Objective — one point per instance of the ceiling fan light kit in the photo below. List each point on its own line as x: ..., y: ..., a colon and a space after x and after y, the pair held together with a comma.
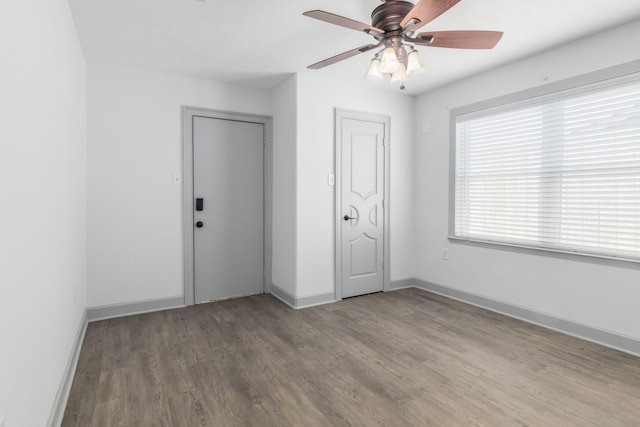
x: 400, y: 76
x: 393, y: 25
x: 390, y: 63
x: 373, y: 73
x: 414, y: 66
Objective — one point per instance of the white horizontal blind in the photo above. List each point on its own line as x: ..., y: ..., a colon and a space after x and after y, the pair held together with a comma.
x: 560, y: 171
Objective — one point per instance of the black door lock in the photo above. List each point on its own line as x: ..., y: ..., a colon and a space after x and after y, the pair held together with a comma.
x: 199, y: 224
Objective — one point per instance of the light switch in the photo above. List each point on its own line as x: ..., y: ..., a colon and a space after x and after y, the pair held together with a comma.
x: 331, y: 180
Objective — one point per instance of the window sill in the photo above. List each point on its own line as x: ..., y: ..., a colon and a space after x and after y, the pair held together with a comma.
x: 555, y: 253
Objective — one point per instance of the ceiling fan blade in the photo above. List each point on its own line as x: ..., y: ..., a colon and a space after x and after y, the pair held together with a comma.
x: 426, y: 11
x: 342, y: 56
x: 459, y: 39
x: 332, y: 18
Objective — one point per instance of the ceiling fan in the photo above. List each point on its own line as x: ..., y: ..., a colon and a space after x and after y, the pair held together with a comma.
x: 393, y: 25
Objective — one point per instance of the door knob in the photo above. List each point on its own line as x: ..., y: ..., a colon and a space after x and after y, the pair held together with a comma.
x: 347, y: 217
x: 199, y: 224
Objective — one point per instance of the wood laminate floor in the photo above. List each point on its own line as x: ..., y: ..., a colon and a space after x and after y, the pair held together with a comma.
x: 403, y: 358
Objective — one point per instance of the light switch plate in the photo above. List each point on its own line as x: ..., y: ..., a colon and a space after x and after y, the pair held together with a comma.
x: 331, y: 180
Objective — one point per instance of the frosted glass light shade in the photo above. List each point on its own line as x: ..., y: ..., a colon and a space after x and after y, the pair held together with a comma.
x: 400, y: 75
x: 374, y: 73
x: 413, y: 63
x: 389, y: 63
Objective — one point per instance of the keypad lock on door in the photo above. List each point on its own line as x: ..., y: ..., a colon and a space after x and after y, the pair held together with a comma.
x: 199, y: 207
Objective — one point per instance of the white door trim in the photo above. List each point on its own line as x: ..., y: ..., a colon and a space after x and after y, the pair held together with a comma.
x: 188, y: 113
x: 385, y: 120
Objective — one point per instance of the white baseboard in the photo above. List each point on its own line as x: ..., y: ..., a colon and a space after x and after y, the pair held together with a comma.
x: 62, y: 395
x: 131, y: 308
x: 301, y: 302
x: 568, y: 327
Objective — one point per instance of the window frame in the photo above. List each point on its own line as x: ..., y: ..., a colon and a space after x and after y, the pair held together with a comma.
x: 524, y: 95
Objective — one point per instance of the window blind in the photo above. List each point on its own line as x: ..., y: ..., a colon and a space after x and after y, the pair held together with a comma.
x: 560, y: 171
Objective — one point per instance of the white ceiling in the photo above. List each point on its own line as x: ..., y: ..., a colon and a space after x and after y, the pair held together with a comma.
x: 259, y: 42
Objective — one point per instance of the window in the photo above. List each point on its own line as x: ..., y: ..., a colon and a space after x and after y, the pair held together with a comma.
x: 559, y: 171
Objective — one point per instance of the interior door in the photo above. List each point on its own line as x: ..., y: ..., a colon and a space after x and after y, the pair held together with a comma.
x: 228, y: 184
x: 362, y: 193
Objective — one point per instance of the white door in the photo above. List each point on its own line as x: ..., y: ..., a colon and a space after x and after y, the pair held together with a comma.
x: 362, y: 217
x: 228, y: 188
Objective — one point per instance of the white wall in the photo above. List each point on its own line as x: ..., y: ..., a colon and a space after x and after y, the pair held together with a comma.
x: 600, y: 296
x: 318, y: 98
x: 134, y: 237
x: 134, y: 222
x: 42, y: 211
x: 285, y: 117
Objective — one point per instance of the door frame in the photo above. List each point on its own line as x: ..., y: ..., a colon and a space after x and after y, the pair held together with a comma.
x: 341, y: 114
x: 188, y: 114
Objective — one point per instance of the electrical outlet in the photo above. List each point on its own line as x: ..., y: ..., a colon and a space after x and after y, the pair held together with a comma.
x: 445, y: 254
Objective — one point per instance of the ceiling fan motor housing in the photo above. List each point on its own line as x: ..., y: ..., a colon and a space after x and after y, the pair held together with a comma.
x: 389, y: 14
x: 393, y: 25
